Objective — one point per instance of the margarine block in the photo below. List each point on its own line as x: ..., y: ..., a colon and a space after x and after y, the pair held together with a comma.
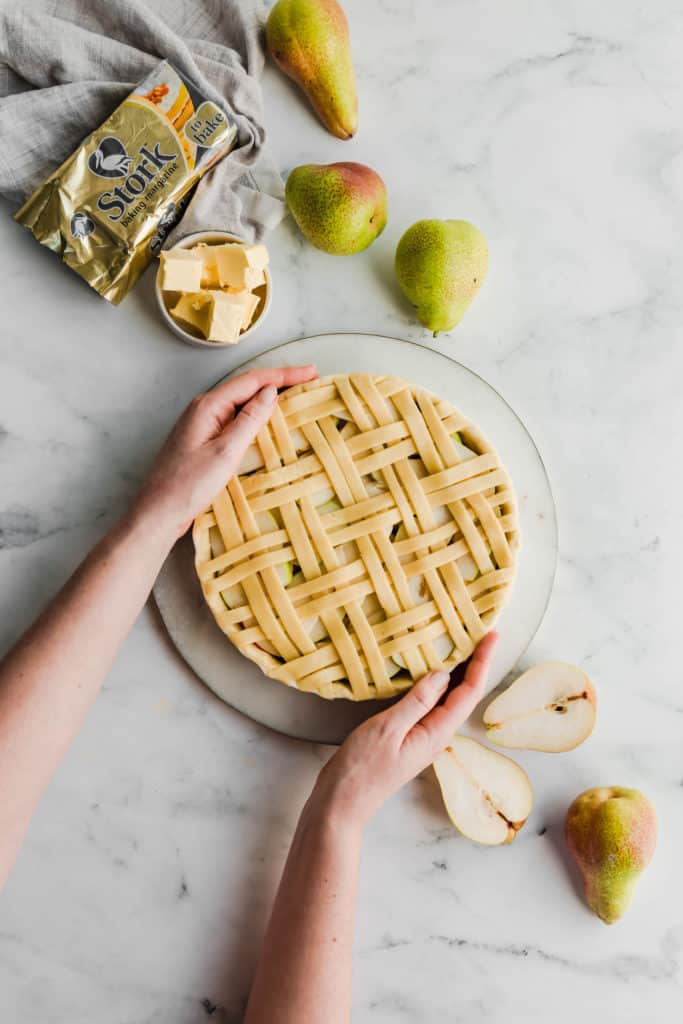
x: 225, y: 320
x: 232, y: 265
x: 194, y: 310
x: 210, y: 274
x: 244, y: 299
x: 181, y: 270
x: 254, y: 278
x: 257, y: 256
x: 250, y: 303
x: 235, y: 267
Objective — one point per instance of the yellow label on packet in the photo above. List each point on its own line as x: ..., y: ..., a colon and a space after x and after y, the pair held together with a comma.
x: 108, y: 208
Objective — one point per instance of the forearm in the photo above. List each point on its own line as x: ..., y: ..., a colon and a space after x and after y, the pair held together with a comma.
x: 304, y: 973
x: 48, y: 682
x: 50, y: 679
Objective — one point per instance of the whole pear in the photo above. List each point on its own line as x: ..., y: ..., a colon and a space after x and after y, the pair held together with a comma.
x: 440, y: 266
x: 340, y: 208
x: 612, y: 833
x: 309, y: 40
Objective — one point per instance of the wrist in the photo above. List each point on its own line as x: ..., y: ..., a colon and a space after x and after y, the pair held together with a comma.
x: 156, y: 517
x: 328, y: 823
x: 334, y: 804
x: 143, y: 522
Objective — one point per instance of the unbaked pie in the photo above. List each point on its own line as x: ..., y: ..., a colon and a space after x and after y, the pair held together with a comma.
x: 370, y: 536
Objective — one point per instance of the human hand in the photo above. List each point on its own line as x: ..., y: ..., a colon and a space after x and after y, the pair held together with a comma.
x: 391, y: 748
x: 206, y: 446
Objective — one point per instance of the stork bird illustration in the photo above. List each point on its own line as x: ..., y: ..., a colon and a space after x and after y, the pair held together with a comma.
x: 81, y: 225
x: 118, y: 162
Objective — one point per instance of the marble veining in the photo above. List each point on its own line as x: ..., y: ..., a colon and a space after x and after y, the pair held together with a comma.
x: 146, y: 879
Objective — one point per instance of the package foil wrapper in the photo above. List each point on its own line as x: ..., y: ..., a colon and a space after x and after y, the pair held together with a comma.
x: 108, y: 208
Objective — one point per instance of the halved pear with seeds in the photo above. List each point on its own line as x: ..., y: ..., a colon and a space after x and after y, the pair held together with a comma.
x: 487, y: 796
x: 552, y: 707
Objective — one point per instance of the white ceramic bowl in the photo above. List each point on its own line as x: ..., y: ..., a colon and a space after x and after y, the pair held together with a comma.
x: 168, y: 299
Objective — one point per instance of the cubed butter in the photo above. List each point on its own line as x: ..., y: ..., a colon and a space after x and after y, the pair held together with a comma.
x: 257, y: 256
x: 210, y: 270
x: 250, y: 303
x: 232, y: 264
x: 225, y: 319
x: 241, y: 266
x: 254, y: 278
x: 181, y: 271
x: 244, y: 299
x: 216, y: 282
x: 192, y: 310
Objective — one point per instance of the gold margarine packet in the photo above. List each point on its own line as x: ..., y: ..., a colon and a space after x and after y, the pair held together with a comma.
x: 108, y: 208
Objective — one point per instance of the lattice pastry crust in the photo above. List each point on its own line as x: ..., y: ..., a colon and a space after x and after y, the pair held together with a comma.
x: 370, y: 535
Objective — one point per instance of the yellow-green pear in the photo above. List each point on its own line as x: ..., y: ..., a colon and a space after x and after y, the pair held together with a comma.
x: 612, y: 834
x: 340, y: 208
x: 440, y: 266
x: 309, y: 40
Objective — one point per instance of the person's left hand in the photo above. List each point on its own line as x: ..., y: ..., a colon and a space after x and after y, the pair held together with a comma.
x: 207, y: 443
x: 391, y: 748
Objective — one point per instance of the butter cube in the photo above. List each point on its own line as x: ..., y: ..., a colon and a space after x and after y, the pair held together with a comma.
x: 225, y: 320
x: 250, y: 303
x: 192, y: 310
x: 244, y: 299
x: 232, y: 264
x: 241, y: 266
x: 181, y: 270
x: 210, y: 271
x: 257, y: 256
x: 254, y: 278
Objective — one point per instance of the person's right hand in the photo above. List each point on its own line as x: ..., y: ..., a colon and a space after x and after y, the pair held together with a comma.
x: 391, y: 748
x: 207, y: 443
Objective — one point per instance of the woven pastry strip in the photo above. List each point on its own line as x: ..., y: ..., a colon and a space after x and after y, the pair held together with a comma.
x: 370, y: 536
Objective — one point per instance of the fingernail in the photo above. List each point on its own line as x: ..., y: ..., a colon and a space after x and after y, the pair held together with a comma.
x: 438, y: 680
x: 268, y: 395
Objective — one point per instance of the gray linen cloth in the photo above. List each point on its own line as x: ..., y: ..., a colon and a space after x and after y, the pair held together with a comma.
x: 66, y: 64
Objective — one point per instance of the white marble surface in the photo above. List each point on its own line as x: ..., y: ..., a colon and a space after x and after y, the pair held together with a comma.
x: 141, y: 892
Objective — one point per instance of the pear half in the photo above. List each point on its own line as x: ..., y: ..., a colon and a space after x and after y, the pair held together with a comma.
x: 552, y: 707
x: 488, y: 797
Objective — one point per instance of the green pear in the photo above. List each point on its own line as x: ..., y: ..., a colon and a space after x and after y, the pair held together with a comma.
x: 309, y: 40
x: 612, y: 833
x: 340, y: 208
x: 440, y: 266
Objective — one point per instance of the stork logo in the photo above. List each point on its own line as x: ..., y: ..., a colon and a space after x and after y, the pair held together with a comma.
x: 142, y: 183
x: 110, y: 159
x: 81, y: 225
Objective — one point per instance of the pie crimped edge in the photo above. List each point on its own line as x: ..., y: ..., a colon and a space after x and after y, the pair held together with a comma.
x: 360, y: 594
